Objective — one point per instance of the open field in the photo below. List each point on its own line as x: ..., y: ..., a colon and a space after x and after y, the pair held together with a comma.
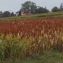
x: 21, y: 38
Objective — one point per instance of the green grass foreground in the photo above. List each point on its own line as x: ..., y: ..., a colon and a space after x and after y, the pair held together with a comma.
x: 46, y: 57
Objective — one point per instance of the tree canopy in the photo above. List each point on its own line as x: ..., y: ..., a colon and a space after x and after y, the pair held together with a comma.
x: 29, y: 6
x: 55, y: 9
x: 61, y: 7
x: 6, y: 14
x: 32, y: 8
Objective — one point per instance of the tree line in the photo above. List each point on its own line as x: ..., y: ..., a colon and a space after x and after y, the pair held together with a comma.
x: 32, y: 8
x: 6, y: 14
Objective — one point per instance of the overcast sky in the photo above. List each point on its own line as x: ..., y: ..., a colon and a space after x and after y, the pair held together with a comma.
x: 15, y: 5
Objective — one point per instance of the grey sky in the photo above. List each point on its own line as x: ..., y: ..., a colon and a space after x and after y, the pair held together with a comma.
x: 15, y: 5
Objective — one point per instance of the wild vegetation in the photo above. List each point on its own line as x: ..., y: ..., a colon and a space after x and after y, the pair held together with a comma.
x: 46, y: 57
x: 36, y: 37
x: 20, y: 38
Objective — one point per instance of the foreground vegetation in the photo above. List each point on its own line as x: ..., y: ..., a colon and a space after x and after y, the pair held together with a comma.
x: 29, y: 38
x: 13, y: 47
x: 46, y: 57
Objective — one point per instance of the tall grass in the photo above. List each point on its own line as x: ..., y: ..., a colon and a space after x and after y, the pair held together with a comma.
x: 14, y: 47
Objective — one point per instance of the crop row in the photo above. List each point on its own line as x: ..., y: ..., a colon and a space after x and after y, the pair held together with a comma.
x: 28, y: 27
x: 22, y: 38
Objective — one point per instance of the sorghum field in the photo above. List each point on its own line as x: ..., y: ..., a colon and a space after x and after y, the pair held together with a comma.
x: 21, y: 38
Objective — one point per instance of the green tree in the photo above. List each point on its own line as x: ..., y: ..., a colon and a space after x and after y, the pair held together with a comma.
x: 12, y: 14
x: 55, y: 9
x: 61, y: 7
x: 29, y: 6
x: 45, y: 10
x: 41, y: 10
x: 6, y: 14
x: 0, y: 14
